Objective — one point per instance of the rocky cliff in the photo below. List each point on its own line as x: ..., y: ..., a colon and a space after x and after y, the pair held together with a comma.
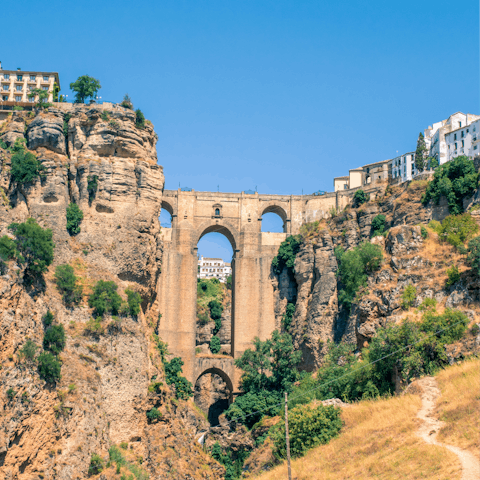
x: 98, y: 158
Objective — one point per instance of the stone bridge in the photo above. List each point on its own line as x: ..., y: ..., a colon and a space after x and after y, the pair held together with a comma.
x: 238, y: 216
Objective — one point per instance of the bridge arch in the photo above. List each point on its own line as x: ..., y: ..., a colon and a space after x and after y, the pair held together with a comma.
x: 168, y: 207
x: 227, y: 230
x: 277, y: 210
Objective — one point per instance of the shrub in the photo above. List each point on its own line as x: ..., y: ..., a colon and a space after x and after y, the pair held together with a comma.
x: 66, y: 119
x: 104, y: 116
x: 34, y: 244
x: 11, y: 393
x: 409, y: 295
x: 453, y: 275
x: 378, y: 225
x: 360, y: 198
x: 105, y: 298
x: 47, y: 318
x: 473, y: 251
x: 428, y: 304
x: 127, y: 102
x: 457, y: 229
x: 423, y: 232
x: 74, y: 218
x: 286, y: 255
x: 435, y: 225
x: 215, y: 344
x: 49, y: 367
x: 173, y: 369
x: 54, y: 339
x: 67, y: 284
x: 309, y: 426
x: 134, y: 301
x: 455, y: 180
x: 28, y: 351
x: 216, y: 309
x: 354, y: 267
x: 288, y: 316
x: 92, y: 186
x: 154, y: 414
x: 94, y: 326
x: 96, y: 464
x: 7, y: 248
x: 139, y: 119
x: 25, y: 167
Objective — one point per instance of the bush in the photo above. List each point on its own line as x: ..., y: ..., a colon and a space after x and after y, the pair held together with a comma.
x: 127, y: 102
x: 47, y: 318
x: 423, y: 232
x: 34, y: 245
x: 173, y: 369
x: 286, y: 255
x: 453, y: 275
x: 473, y: 251
x: 67, y: 284
x: 216, y: 310
x: 378, y: 225
x: 54, y: 339
x: 11, y: 393
x: 457, y: 229
x: 49, y: 367
x: 154, y: 414
x: 94, y: 326
x: 28, y: 351
x: 96, y: 464
x: 360, y: 198
x: 428, y: 304
x: 105, y: 298
x: 215, y: 345
x: 25, y: 166
x: 134, y: 301
x: 288, y: 316
x: 309, y: 426
x: 409, y: 295
x: 92, y: 186
x: 74, y: 218
x: 139, y: 119
x: 435, y: 225
x: 455, y: 180
x: 7, y: 248
x: 354, y: 267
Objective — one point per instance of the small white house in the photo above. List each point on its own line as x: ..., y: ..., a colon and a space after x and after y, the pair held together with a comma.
x: 463, y: 141
x: 403, y: 166
x: 214, y: 268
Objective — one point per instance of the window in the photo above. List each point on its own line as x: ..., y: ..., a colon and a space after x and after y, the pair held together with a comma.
x: 463, y: 133
x: 5, y: 88
x: 463, y: 143
x: 18, y: 88
x: 19, y: 78
x: 475, y: 147
x: 33, y: 78
x: 6, y: 76
x: 449, y: 146
x: 455, y: 145
x: 45, y: 89
x: 31, y: 99
x: 345, y: 186
x: 474, y: 129
x: 217, y: 211
x: 18, y: 98
x: 460, y: 124
x: 5, y: 98
x: 46, y: 78
x: 454, y: 136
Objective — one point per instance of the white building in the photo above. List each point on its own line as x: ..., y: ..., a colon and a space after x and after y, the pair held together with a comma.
x: 463, y: 141
x: 404, y: 166
x: 214, y: 268
x: 435, y: 135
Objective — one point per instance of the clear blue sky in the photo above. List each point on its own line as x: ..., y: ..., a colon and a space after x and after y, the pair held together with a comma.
x: 279, y: 95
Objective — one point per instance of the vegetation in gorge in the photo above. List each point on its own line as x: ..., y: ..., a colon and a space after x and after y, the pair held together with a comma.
x: 104, y: 298
x: 74, y: 218
x: 67, y: 284
x: 25, y: 166
x: 286, y: 255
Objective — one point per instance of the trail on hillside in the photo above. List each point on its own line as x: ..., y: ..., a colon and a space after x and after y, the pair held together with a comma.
x: 431, y: 426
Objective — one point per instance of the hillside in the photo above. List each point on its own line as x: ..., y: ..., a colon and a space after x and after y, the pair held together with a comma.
x: 381, y: 438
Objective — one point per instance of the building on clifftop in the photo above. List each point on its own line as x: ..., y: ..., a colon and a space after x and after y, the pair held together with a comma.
x: 214, y: 268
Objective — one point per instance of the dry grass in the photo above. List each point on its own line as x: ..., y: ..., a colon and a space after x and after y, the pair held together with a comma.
x: 378, y: 441
x: 459, y: 406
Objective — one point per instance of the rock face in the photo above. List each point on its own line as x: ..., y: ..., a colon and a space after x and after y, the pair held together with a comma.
x: 97, y: 158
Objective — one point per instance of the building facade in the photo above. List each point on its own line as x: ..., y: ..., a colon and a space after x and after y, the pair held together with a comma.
x: 214, y: 268
x: 403, y: 167
x: 16, y: 85
x: 463, y: 141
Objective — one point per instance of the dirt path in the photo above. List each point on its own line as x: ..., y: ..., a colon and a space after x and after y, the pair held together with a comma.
x: 432, y: 425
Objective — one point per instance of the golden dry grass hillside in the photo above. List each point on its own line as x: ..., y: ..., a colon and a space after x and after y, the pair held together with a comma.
x: 380, y: 441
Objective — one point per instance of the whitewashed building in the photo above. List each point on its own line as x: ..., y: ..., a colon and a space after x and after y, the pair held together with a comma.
x: 403, y: 166
x: 463, y: 141
x: 435, y: 135
x: 214, y: 268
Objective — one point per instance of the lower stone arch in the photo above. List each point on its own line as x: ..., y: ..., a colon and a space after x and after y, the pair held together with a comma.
x: 219, y: 405
x: 229, y: 232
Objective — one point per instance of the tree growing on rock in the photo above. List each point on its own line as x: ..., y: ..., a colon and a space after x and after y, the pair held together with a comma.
x: 85, y: 87
x: 420, y: 153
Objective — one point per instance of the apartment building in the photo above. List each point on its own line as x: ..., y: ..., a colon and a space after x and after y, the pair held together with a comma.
x: 369, y: 174
x: 403, y: 167
x: 463, y: 141
x: 435, y: 135
x: 16, y: 85
x: 214, y: 268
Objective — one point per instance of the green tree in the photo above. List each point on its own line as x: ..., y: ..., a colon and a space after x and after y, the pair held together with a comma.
x: 457, y: 229
x: 432, y: 163
x: 288, y: 316
x: 173, y: 370
x: 154, y: 414
x: 286, y: 255
x: 85, y: 87
x: 47, y: 319
x: 54, y: 339
x: 74, y: 218
x: 134, y: 302
x: 139, y: 119
x: 25, y: 167
x: 215, y: 344
x: 92, y: 186
x: 473, y: 251
x: 409, y: 295
x: 420, y: 153
x: 49, y: 367
x: 34, y: 244
x: 453, y: 275
x: 42, y: 95
x: 105, y: 298
x: 67, y: 284
x: 359, y: 198
x: 456, y: 180
x: 127, y: 102
x: 378, y: 225
x: 96, y: 464
x: 8, y: 248
x: 354, y: 267
x: 28, y: 351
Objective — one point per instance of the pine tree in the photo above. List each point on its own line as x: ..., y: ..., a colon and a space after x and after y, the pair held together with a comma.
x: 420, y: 153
